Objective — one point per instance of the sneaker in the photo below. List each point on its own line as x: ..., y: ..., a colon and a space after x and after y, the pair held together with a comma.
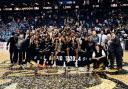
x: 38, y: 61
x: 68, y: 59
x: 11, y: 65
x: 106, y: 68
x: 76, y: 63
x: 64, y: 65
x: 54, y: 65
x: 22, y: 67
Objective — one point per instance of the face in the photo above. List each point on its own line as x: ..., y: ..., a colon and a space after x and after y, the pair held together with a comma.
x: 113, y: 35
x: 93, y: 33
x: 72, y: 34
x: 108, y: 36
x: 21, y: 36
x: 85, y: 38
x: 97, y: 47
x: 90, y: 38
x: 59, y: 35
x: 89, y: 31
x: 36, y: 41
x: 102, y: 32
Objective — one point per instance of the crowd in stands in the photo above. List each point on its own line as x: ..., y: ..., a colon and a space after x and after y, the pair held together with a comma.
x: 83, y: 19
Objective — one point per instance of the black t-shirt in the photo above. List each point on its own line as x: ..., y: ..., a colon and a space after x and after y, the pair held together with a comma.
x: 98, y: 54
x: 12, y: 42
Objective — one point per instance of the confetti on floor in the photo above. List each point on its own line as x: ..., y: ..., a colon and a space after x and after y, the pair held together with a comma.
x: 73, y: 78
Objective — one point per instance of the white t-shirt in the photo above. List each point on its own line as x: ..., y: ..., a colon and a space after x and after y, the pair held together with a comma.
x: 102, y: 40
x: 94, y: 55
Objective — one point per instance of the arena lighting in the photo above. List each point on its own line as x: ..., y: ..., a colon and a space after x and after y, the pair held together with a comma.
x: 77, y: 7
x: 70, y: 2
x: 36, y: 3
x: 36, y: 8
x: 95, y: 6
x: 26, y: 8
x: 124, y: 5
x: 16, y: 9
x: 67, y: 7
x: 113, y: 5
x: 24, y: 4
x: 12, y: 4
x: 7, y: 9
x: 67, y: 2
x: 48, y: 8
